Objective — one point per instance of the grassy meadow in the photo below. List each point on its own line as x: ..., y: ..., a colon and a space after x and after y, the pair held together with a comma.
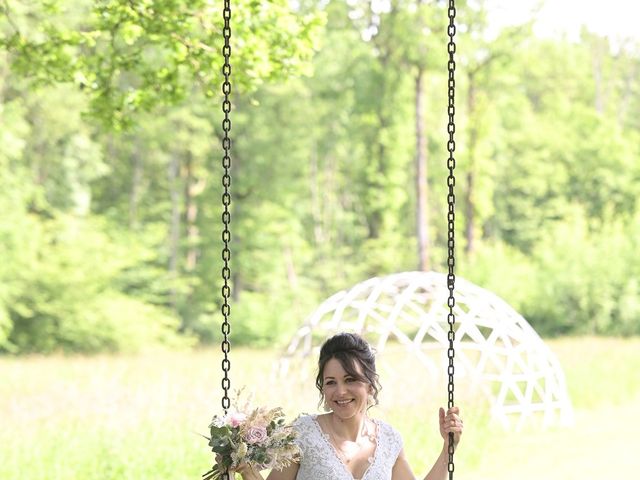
x: 140, y: 417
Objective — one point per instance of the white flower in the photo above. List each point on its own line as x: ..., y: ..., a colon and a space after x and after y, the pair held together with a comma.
x: 239, y: 454
x: 217, y: 421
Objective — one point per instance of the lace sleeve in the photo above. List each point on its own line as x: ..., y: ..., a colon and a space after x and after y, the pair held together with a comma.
x: 301, y: 426
x: 393, y: 444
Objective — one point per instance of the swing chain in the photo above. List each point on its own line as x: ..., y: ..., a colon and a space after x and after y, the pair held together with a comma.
x: 226, y: 202
x: 451, y: 200
x: 226, y: 214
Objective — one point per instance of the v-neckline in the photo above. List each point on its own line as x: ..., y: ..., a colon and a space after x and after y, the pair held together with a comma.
x: 328, y: 444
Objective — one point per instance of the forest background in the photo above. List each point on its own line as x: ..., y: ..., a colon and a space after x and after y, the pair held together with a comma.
x: 111, y: 180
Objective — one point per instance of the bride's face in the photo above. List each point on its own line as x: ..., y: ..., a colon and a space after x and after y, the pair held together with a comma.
x: 344, y: 394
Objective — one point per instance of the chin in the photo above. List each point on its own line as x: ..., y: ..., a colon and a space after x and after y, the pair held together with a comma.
x: 348, y: 413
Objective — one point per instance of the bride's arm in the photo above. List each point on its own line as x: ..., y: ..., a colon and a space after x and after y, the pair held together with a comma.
x: 287, y: 473
x: 440, y: 469
x: 402, y: 469
x: 449, y: 423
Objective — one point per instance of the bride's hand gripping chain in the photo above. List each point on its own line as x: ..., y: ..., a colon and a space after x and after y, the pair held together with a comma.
x: 451, y: 422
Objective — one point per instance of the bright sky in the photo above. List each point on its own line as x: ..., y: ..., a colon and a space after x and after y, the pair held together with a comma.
x: 616, y: 19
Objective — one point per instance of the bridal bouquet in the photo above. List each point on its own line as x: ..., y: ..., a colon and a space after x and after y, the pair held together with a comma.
x: 258, y: 436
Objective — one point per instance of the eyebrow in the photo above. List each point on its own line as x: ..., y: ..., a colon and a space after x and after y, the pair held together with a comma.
x: 344, y: 376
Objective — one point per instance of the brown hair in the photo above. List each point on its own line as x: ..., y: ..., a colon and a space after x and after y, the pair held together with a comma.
x: 350, y: 350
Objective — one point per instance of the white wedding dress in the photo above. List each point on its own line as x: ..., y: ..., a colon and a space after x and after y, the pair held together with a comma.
x: 320, y: 460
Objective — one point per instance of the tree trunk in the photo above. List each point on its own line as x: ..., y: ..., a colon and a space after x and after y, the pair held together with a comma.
x: 627, y: 92
x: 136, y: 180
x: 235, y: 208
x: 193, y: 188
x: 375, y: 180
x: 292, y: 276
x: 597, y: 76
x: 378, y: 152
x: 316, y: 201
x: 174, y: 227
x: 422, y: 191
x: 469, y: 194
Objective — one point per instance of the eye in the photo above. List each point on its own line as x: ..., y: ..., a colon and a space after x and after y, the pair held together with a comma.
x: 350, y: 379
x: 329, y: 382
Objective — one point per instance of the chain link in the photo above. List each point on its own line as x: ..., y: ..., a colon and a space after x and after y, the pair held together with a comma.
x: 451, y: 216
x: 226, y: 202
x: 226, y: 214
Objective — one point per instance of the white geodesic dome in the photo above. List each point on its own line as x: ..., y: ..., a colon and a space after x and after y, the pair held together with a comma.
x: 496, y: 350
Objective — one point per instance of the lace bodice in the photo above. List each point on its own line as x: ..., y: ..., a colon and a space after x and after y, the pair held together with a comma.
x: 320, y: 460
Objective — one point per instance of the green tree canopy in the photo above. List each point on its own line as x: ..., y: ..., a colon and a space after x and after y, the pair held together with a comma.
x: 132, y: 56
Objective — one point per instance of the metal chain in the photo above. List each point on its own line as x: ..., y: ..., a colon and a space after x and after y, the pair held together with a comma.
x: 226, y: 214
x: 226, y: 202
x: 451, y: 216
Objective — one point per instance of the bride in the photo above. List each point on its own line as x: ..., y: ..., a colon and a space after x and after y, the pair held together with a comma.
x: 345, y: 444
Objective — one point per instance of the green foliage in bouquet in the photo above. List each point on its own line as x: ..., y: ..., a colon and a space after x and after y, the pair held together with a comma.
x: 259, y: 437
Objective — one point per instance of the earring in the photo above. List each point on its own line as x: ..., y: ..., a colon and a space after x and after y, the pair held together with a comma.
x: 326, y: 406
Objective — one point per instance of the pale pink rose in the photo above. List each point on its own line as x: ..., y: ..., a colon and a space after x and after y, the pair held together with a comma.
x: 236, y: 419
x: 256, y: 435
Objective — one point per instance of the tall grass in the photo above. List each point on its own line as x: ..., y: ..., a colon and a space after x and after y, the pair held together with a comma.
x: 140, y: 417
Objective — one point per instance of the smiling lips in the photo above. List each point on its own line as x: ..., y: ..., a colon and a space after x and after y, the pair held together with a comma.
x: 343, y: 402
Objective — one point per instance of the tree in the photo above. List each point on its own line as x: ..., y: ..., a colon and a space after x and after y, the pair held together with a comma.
x: 125, y: 58
x: 135, y: 56
x: 484, y: 60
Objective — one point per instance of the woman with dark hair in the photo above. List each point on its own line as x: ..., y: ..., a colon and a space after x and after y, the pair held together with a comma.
x: 345, y: 443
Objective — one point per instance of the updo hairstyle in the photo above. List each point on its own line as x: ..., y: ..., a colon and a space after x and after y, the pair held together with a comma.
x: 350, y: 350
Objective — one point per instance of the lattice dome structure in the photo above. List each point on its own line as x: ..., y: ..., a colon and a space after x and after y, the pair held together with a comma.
x: 496, y: 350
